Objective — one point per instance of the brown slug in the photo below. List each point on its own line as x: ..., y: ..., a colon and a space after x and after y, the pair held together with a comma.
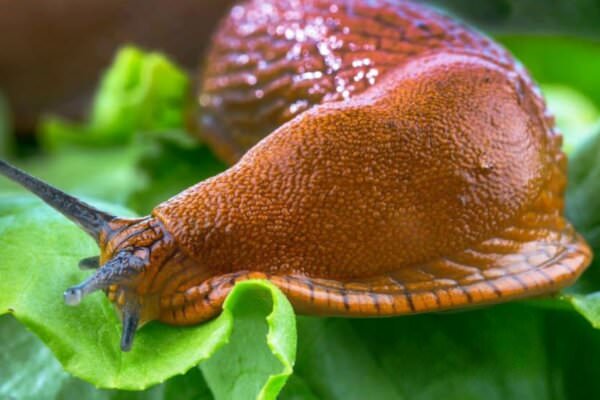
x: 412, y: 166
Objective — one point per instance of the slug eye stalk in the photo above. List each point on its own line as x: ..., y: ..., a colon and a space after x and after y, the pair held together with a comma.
x: 121, y: 270
x: 130, y: 319
x: 90, y: 219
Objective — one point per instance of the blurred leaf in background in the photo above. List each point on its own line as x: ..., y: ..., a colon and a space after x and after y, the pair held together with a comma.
x: 134, y: 150
x: 574, y: 113
x: 567, y: 61
x: 527, y: 17
x: 140, y: 92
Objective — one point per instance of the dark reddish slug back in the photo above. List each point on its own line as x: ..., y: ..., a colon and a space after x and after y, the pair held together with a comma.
x: 272, y: 60
x: 398, y: 163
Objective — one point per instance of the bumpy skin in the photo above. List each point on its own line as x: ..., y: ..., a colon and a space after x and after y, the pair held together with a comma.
x: 430, y: 161
x: 272, y: 60
x: 435, y: 183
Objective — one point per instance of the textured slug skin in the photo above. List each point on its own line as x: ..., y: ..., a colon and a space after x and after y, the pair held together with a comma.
x: 428, y: 162
x: 272, y: 60
x: 435, y: 183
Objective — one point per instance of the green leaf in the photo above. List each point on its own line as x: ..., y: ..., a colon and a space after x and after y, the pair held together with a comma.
x: 505, y: 352
x: 39, y: 251
x: 29, y: 371
x: 335, y: 362
x: 495, y: 353
x: 139, y: 92
x: 27, y: 368
x: 588, y: 306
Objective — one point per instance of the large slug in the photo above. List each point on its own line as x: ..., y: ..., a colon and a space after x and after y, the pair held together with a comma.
x: 391, y: 161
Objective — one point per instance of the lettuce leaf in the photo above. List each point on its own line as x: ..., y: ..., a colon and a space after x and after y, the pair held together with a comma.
x: 39, y: 251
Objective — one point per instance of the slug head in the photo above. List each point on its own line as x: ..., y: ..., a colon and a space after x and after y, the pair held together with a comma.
x: 133, y: 251
x: 130, y: 250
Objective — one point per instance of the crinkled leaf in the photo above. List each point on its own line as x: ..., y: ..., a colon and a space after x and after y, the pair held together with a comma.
x: 39, y: 251
x: 139, y: 92
x: 236, y: 373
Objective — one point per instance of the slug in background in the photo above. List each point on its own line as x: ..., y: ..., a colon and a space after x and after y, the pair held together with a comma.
x: 412, y: 167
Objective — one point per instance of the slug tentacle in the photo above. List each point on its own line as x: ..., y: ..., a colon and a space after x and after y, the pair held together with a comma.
x: 118, y: 270
x: 90, y: 219
x: 131, y: 319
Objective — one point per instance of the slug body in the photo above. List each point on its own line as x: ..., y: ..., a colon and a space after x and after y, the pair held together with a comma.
x: 435, y: 182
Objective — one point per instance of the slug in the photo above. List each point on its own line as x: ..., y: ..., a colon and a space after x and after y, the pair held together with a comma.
x: 391, y: 161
